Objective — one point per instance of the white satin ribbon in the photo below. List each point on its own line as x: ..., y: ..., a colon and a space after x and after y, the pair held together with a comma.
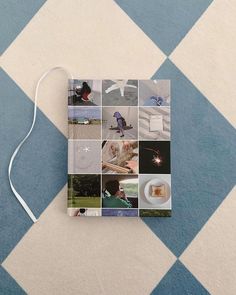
x: 17, y: 195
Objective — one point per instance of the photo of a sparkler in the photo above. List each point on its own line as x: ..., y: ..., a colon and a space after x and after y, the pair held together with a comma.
x: 154, y: 157
x: 157, y: 159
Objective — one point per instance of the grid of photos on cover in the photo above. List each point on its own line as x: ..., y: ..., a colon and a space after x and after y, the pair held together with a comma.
x: 119, y: 148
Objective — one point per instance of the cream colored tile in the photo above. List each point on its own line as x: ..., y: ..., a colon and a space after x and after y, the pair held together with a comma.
x: 207, y: 56
x: 93, y: 39
x: 211, y: 256
x: 89, y: 255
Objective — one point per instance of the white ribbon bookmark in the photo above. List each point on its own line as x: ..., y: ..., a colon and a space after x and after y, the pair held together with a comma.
x: 17, y: 195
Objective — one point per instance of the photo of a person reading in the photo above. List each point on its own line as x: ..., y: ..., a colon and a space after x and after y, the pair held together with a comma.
x: 114, y: 196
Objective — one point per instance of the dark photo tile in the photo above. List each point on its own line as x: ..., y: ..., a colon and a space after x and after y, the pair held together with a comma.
x: 84, y: 191
x: 154, y: 157
x: 154, y: 213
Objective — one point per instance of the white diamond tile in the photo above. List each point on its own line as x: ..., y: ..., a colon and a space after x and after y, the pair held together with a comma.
x: 93, y: 39
x: 104, y: 255
x: 207, y: 56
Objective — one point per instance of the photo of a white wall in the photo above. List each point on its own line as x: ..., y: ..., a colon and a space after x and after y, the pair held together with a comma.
x: 154, y: 92
x: 110, y: 129
x: 154, y: 123
x: 84, y: 156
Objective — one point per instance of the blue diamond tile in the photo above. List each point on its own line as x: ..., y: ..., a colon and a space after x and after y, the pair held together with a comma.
x: 179, y: 281
x: 8, y: 285
x: 14, y: 15
x: 165, y: 22
x: 40, y: 167
x: 203, y: 162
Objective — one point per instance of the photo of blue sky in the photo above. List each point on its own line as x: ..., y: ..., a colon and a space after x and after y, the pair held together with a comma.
x: 87, y: 112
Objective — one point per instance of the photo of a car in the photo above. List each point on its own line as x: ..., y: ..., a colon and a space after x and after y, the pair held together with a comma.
x: 82, y: 120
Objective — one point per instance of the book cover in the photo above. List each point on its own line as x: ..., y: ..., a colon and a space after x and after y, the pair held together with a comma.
x: 119, y: 148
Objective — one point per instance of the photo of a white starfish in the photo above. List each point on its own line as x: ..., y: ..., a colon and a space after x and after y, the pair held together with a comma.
x: 119, y: 84
x: 86, y: 149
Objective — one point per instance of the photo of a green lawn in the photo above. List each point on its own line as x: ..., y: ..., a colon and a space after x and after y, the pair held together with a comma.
x: 84, y: 190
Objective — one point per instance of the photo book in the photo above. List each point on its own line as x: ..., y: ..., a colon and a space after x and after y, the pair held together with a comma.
x: 119, y: 148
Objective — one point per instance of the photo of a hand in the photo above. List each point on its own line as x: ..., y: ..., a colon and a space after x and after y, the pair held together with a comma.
x: 121, y: 194
x: 133, y: 165
x: 126, y: 145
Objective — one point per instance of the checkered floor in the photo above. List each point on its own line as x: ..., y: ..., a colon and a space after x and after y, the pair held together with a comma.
x: 192, y: 43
